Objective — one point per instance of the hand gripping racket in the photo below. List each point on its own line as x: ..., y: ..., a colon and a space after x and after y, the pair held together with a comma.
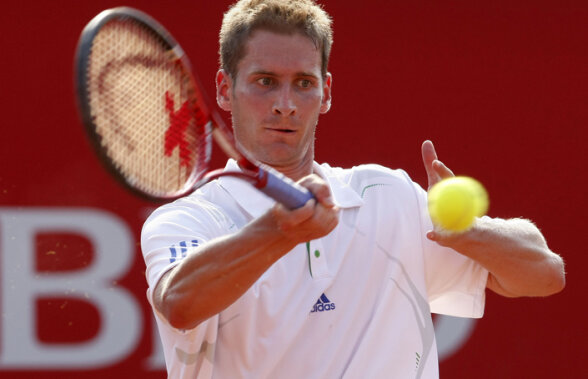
x: 147, y: 115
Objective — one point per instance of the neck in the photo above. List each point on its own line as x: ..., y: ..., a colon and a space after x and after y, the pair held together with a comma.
x: 298, y: 170
x: 294, y: 168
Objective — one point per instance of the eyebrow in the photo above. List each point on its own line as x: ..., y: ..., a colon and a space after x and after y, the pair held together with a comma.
x: 271, y: 73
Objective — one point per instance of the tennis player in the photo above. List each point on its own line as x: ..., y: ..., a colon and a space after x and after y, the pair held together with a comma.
x: 343, y: 287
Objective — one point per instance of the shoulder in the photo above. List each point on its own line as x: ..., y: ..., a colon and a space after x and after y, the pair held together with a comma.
x: 193, y: 212
x: 365, y: 176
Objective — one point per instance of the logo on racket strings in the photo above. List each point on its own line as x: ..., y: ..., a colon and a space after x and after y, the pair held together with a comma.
x: 175, y: 135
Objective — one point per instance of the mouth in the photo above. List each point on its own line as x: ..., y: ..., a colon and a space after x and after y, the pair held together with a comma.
x: 281, y: 130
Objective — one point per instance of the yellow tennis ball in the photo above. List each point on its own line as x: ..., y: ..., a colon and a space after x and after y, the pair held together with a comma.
x: 455, y: 202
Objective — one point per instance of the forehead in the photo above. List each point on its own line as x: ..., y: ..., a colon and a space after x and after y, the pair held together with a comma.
x: 276, y: 52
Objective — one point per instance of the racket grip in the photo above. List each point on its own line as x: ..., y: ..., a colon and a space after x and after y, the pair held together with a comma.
x: 282, y: 189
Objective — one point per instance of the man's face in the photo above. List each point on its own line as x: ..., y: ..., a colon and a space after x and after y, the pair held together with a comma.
x: 276, y: 98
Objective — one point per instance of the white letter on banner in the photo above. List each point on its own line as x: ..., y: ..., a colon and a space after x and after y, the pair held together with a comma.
x: 120, y: 315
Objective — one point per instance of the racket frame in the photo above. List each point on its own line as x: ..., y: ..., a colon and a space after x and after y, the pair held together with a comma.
x: 81, y: 64
x: 264, y: 178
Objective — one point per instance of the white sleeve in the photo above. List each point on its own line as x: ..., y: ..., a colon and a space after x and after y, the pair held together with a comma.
x: 456, y: 284
x: 189, y: 354
x: 170, y: 234
x: 174, y: 230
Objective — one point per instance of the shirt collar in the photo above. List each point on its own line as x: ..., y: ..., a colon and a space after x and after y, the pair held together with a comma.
x: 343, y: 195
x: 256, y: 203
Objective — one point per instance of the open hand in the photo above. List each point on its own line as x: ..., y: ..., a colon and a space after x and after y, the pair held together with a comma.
x: 436, y: 170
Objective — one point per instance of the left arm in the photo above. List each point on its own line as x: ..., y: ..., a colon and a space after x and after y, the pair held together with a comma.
x: 513, y: 251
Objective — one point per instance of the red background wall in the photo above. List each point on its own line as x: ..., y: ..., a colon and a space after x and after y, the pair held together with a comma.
x: 500, y: 87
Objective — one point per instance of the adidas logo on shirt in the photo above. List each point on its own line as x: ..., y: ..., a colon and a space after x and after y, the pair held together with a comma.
x: 323, y: 304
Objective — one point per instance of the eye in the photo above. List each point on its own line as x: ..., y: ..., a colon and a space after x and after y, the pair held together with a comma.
x: 265, y: 81
x: 305, y: 83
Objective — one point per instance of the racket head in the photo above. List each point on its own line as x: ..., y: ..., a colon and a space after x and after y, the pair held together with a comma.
x: 141, y: 106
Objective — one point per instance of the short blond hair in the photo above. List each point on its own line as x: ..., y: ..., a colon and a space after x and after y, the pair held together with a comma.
x: 280, y: 16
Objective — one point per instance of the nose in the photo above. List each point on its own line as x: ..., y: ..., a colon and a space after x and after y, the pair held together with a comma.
x: 284, y: 103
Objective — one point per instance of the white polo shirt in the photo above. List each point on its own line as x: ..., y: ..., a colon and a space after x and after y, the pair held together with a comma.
x: 354, y: 304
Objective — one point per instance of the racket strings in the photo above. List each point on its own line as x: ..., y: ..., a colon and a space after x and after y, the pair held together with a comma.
x: 144, y: 109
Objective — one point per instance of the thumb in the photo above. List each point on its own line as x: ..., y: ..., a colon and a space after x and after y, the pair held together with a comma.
x: 443, y: 238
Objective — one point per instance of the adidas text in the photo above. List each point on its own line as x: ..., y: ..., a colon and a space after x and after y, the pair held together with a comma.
x: 323, y: 304
x: 323, y: 307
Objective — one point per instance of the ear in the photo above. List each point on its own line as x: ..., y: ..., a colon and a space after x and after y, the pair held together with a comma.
x: 223, y: 90
x: 326, y: 103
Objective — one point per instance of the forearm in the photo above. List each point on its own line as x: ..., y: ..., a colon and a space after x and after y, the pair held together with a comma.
x: 219, y: 272
x: 516, y: 255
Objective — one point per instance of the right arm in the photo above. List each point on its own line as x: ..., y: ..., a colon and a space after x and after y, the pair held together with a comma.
x: 216, y: 274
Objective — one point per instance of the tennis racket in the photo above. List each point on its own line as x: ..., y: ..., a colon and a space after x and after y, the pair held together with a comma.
x: 148, y: 117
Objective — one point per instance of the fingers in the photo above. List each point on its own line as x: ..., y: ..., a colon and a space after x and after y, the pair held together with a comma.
x: 435, y: 169
x: 324, y: 220
x: 429, y: 154
x: 288, y: 219
x: 441, y: 237
x: 309, y: 222
x: 318, y: 217
x: 319, y: 189
x: 450, y: 239
x: 441, y: 170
